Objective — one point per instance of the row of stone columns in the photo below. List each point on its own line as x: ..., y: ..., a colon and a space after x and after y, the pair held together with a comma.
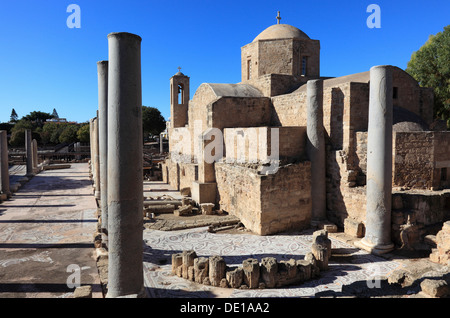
x: 118, y: 172
x: 379, y: 158
x: 31, y: 154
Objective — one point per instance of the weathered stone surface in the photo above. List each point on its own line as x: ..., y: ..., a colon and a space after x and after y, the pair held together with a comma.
x: 207, y: 208
x: 321, y: 238
x: 435, y: 287
x: 235, y: 277
x: 353, y: 228
x: 321, y: 255
x: 217, y: 268
x: 185, y: 191
x: 188, y: 260
x: 251, y: 272
x: 269, y: 270
x: 287, y: 273
x: 304, y: 268
x: 83, y: 292
x: 441, y: 254
x: 183, y: 210
x: 201, y: 266
x: 177, y: 260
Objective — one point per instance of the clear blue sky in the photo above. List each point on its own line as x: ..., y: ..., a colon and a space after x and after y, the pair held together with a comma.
x: 45, y: 65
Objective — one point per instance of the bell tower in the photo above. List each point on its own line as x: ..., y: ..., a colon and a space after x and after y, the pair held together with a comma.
x: 179, y: 99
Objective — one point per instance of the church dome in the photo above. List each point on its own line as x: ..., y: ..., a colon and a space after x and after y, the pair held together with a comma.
x: 281, y: 31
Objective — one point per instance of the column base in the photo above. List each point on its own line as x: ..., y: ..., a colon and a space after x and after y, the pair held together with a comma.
x: 377, y: 249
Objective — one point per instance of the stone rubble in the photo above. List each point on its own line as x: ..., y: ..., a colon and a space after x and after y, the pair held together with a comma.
x: 253, y: 274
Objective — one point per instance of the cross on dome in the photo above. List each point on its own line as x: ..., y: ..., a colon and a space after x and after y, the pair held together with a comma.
x: 278, y: 18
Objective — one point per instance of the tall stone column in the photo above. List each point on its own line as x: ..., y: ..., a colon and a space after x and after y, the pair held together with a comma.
x: 377, y: 239
x: 102, y: 72
x: 125, y: 170
x: 95, y: 157
x: 34, y: 148
x: 29, y: 152
x: 316, y: 149
x: 4, y: 169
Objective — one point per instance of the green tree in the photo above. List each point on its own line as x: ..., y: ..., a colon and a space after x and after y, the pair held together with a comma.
x: 38, y: 117
x: 430, y: 66
x: 152, y: 121
x: 18, y: 132
x: 14, y: 117
x: 55, y: 113
x: 83, y: 133
x: 69, y: 134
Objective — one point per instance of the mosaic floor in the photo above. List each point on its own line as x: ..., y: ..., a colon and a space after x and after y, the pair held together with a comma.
x: 353, y: 264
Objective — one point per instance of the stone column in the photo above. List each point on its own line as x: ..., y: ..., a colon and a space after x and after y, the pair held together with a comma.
x: 35, y: 154
x: 95, y: 158
x: 102, y: 71
x: 377, y: 239
x: 316, y: 149
x: 125, y: 170
x: 4, y: 168
x: 29, y: 152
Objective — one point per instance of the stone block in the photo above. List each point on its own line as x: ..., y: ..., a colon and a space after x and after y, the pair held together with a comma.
x: 188, y: 260
x: 235, y: 277
x: 321, y: 255
x: 354, y: 228
x: 217, y: 268
x: 201, y: 266
x: 185, y: 191
x: 207, y: 208
x: 251, y: 272
x: 203, y: 192
x: 269, y: 270
x: 183, y: 210
x: 435, y: 288
x: 83, y: 292
x: 177, y: 260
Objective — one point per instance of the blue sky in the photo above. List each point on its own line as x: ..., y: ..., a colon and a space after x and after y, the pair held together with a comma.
x: 45, y: 65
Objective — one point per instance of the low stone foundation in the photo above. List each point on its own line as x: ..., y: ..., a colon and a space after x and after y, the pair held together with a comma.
x: 269, y: 273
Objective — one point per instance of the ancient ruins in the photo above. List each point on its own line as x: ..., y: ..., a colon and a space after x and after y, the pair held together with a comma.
x: 285, y: 149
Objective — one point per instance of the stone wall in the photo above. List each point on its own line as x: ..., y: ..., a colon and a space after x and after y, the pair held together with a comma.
x: 254, y: 143
x: 266, y: 204
x: 422, y: 160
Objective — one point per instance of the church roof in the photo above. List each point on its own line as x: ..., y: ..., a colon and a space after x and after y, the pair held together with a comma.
x: 281, y: 31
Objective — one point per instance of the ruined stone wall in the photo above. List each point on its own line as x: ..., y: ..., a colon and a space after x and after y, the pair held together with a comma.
x: 240, y: 112
x: 289, y: 109
x: 441, y: 174
x: 345, y: 199
x: 178, y: 174
x: 254, y: 143
x: 239, y: 193
x: 412, y: 97
x: 413, y: 160
x: 286, y: 199
x: 266, y: 204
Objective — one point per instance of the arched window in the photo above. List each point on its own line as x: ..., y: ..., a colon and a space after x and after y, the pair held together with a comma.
x: 180, y: 93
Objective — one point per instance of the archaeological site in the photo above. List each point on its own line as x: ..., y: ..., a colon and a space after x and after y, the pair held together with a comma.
x: 285, y: 184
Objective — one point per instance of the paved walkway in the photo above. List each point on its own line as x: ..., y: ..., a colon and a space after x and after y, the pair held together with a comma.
x: 46, y: 235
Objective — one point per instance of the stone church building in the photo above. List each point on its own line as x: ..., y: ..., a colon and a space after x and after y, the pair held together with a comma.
x: 262, y: 121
